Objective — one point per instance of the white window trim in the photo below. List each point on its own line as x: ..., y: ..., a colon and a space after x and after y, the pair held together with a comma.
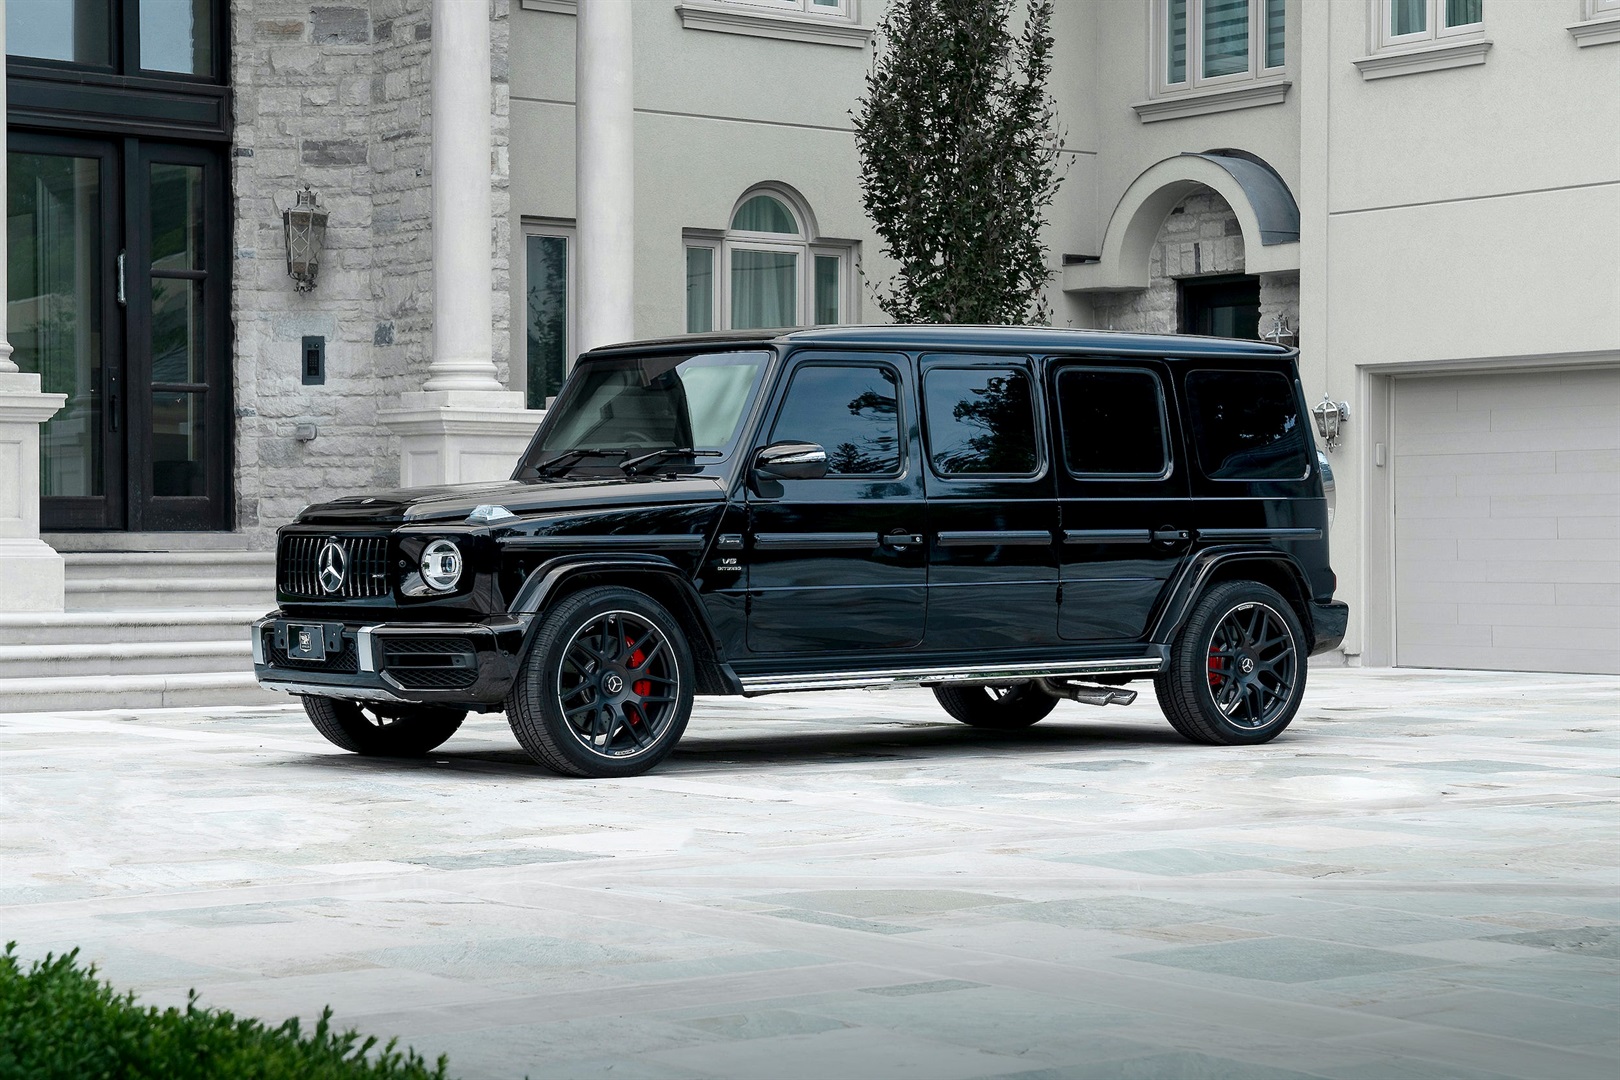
x: 711, y: 242
x: 1199, y: 96
x: 781, y: 22
x: 1599, y: 25
x: 1433, y: 28
x: 723, y: 242
x: 556, y: 7
x: 570, y: 234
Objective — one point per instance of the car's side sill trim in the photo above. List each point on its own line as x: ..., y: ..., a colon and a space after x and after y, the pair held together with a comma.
x: 928, y: 676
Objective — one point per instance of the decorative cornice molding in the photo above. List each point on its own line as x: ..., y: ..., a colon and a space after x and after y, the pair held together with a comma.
x: 1222, y: 99
x: 556, y: 7
x: 1441, y: 57
x: 1604, y: 31
x: 761, y: 22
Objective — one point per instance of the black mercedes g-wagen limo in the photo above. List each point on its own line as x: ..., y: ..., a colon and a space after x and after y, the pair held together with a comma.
x: 1009, y: 516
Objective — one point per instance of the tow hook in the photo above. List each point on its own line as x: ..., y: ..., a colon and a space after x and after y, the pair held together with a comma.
x: 1086, y: 693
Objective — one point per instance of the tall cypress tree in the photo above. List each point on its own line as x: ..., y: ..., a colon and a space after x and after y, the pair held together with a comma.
x: 959, y: 159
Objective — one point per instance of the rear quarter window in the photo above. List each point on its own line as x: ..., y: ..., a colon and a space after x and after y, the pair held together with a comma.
x: 1247, y: 425
x: 1112, y: 422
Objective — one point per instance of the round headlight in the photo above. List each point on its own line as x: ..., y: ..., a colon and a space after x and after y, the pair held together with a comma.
x: 441, y: 565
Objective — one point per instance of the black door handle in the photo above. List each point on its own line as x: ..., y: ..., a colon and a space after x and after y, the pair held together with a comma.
x: 901, y: 539
x: 1168, y: 535
x: 112, y: 400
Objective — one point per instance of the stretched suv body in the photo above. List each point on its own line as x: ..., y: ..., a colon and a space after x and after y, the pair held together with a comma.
x: 1008, y: 515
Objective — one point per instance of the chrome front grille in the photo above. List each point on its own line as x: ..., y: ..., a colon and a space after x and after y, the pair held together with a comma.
x: 365, y: 566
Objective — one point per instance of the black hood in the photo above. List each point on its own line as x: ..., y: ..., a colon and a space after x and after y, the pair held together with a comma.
x: 453, y: 502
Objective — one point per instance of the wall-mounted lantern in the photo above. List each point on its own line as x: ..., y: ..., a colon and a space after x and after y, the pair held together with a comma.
x: 1330, y: 417
x: 1279, y: 332
x: 305, y: 224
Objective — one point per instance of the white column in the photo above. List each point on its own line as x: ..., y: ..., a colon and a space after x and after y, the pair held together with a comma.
x: 604, y: 163
x: 463, y: 275
x: 30, y: 570
x: 462, y: 426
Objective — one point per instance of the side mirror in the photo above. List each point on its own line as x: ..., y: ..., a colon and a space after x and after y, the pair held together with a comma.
x: 791, y: 461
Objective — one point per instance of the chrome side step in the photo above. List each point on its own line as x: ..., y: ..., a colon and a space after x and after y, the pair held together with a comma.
x: 933, y: 676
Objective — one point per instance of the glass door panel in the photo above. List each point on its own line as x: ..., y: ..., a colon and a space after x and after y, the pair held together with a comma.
x: 177, y: 343
x: 71, y: 31
x: 58, y: 285
x: 177, y: 35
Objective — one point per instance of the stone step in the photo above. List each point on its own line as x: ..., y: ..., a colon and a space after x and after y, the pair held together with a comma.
x: 77, y: 543
x: 76, y: 693
x: 125, y: 658
x: 101, y: 627
x: 169, y: 565
x: 203, y: 591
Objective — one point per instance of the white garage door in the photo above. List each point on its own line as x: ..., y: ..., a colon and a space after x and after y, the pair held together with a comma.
x: 1507, y: 521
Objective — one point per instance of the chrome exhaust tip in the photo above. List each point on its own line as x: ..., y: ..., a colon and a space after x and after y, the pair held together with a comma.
x: 1087, y: 694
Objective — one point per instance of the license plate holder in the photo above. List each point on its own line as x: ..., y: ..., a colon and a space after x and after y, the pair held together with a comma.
x: 306, y: 641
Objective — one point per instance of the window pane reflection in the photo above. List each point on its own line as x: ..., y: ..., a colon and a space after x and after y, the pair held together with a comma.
x: 54, y: 295
x: 177, y: 444
x: 177, y: 331
x: 177, y: 217
x: 177, y: 35
x: 74, y: 31
x: 548, y: 317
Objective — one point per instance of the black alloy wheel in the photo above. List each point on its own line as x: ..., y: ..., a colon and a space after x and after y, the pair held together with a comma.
x: 375, y: 730
x: 1237, y: 670
x: 997, y: 706
x: 607, y: 687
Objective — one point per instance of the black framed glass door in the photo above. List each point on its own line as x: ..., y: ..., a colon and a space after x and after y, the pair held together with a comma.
x: 117, y: 293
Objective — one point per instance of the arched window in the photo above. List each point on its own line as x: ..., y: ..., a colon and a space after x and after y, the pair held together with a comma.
x: 768, y: 269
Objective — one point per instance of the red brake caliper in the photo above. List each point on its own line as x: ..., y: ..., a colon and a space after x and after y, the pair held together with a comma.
x: 1216, y: 672
x: 642, y: 687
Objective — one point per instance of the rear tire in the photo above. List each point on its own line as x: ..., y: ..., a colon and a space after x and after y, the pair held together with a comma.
x: 1237, y: 669
x: 382, y: 730
x: 998, y: 706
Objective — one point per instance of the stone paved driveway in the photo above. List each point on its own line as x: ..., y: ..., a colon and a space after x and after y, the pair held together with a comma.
x: 1421, y: 879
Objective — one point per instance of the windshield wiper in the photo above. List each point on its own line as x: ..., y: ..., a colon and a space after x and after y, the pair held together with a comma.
x: 568, y: 457
x: 635, y: 463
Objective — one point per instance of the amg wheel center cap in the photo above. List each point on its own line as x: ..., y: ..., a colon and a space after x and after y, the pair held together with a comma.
x: 1246, y: 665
x: 613, y: 684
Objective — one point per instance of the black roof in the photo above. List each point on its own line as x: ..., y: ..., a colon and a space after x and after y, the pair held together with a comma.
x: 946, y: 337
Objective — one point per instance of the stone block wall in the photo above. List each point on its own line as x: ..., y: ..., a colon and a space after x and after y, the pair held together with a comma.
x: 337, y: 95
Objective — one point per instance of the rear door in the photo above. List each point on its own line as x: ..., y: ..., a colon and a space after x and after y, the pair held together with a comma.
x: 992, y: 513
x: 1122, y: 493
x: 836, y: 564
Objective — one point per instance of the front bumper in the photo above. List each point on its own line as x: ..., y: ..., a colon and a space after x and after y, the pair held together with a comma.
x: 1328, y: 622
x: 467, y: 664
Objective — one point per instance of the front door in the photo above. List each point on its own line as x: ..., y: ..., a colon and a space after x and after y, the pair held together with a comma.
x: 117, y: 298
x: 836, y: 564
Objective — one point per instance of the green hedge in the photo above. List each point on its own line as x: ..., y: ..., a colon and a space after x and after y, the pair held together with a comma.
x: 60, y: 1020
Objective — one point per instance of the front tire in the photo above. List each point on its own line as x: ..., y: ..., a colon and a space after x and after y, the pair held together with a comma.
x: 381, y: 730
x: 999, y: 706
x: 1237, y: 670
x: 606, y: 689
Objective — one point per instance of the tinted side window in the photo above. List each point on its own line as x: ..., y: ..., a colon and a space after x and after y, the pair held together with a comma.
x: 851, y: 410
x: 981, y: 422
x: 1113, y: 422
x: 1247, y: 425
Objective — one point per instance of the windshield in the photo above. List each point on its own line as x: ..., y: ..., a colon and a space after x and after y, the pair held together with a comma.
x: 633, y: 405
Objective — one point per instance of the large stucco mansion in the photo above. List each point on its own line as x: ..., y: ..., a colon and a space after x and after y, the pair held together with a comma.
x: 1423, y: 195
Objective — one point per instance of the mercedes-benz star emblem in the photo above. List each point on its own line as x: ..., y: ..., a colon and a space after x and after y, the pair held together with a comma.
x: 1247, y: 665
x: 331, y: 566
x: 613, y: 684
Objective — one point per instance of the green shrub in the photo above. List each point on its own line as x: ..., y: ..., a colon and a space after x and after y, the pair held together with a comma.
x: 59, y: 1020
